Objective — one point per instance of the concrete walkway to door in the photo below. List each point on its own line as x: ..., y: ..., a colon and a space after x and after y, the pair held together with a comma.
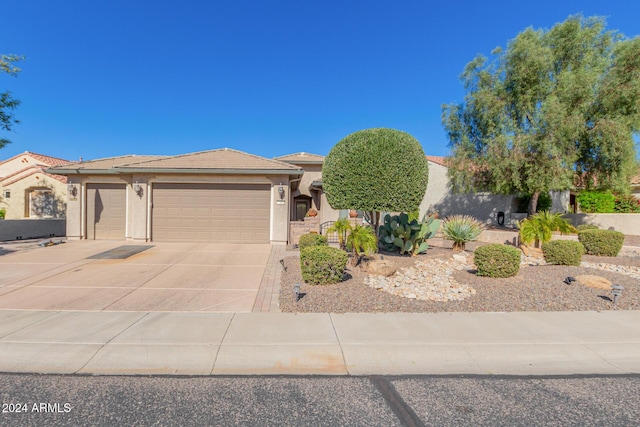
x: 205, y: 277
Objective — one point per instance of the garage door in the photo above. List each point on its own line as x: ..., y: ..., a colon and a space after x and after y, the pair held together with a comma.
x: 106, y: 211
x: 211, y: 213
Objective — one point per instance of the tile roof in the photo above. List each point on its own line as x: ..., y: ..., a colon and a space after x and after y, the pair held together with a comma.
x: 635, y: 180
x: 109, y: 162
x: 224, y: 158
x: 442, y: 161
x: 30, y: 170
x: 46, y: 160
x: 301, y: 157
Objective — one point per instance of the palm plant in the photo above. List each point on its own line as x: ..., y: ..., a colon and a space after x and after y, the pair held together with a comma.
x: 363, y: 241
x: 539, y: 228
x: 461, y: 229
x: 341, y: 227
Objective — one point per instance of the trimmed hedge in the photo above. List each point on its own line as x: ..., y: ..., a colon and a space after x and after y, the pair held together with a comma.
x: 312, y: 239
x: 563, y: 252
x: 596, y: 201
x: 497, y: 260
x: 601, y: 242
x: 583, y: 227
x: 322, y: 264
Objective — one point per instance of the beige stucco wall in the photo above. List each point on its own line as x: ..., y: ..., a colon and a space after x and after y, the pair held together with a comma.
x: 138, y: 225
x: 626, y: 223
x: 21, y: 162
x: 17, y: 205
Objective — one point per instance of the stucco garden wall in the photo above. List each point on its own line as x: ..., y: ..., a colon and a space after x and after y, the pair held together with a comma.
x: 19, y: 229
x: 17, y: 205
x: 628, y: 223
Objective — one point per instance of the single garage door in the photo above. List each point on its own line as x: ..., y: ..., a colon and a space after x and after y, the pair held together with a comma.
x: 211, y: 213
x: 106, y: 211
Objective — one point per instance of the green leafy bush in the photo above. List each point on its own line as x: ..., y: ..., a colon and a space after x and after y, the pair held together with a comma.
x: 601, y: 242
x: 563, y: 252
x: 583, y: 227
x: 497, y: 260
x: 596, y: 202
x: 626, y: 204
x: 540, y: 227
x: 3, y: 212
x: 461, y: 229
x: 322, y: 264
x: 312, y: 239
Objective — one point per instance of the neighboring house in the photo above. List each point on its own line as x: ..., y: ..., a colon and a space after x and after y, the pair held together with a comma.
x: 635, y: 185
x: 219, y: 195
x: 28, y: 191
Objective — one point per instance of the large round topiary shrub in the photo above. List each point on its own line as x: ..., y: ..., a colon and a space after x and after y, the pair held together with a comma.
x: 376, y: 170
x: 563, y: 252
x: 322, y: 264
x: 601, y: 242
x: 497, y: 260
x: 312, y: 239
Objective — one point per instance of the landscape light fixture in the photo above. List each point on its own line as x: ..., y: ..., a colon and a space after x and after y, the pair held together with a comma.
x: 281, y: 192
x: 617, y: 291
x: 296, y: 290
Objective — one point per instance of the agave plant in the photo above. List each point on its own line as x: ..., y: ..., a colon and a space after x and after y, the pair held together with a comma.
x: 540, y: 227
x: 363, y: 241
x: 341, y: 227
x: 461, y: 229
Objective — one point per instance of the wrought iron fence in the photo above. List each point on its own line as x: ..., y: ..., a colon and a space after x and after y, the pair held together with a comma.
x: 331, y: 237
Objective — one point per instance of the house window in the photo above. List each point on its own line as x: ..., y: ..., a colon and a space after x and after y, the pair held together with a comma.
x: 7, y: 194
x: 41, y: 204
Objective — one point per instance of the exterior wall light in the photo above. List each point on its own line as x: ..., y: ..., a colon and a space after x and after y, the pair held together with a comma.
x: 138, y: 189
x: 72, y: 189
x: 281, y: 192
x: 296, y: 290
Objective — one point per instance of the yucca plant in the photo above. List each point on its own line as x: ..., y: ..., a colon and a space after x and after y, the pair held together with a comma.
x: 539, y: 228
x: 341, y: 227
x: 461, y: 229
x: 363, y: 241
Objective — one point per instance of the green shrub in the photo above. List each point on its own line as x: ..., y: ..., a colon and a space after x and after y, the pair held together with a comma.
x: 461, y: 229
x: 497, y: 260
x: 583, y: 227
x: 312, y: 239
x: 3, y: 212
x: 563, y: 252
x: 626, y: 204
x: 362, y: 241
x: 601, y: 242
x: 322, y: 264
x: 596, y: 202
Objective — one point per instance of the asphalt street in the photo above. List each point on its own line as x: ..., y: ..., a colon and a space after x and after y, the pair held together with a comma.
x: 60, y: 400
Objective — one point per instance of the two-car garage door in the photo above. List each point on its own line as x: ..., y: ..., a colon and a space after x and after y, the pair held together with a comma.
x: 211, y: 213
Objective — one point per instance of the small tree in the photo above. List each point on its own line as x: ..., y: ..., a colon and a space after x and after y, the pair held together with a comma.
x: 376, y: 170
x: 7, y: 102
x: 554, y: 106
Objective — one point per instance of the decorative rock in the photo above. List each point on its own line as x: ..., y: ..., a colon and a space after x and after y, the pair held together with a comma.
x: 532, y: 252
x: 375, y: 264
x: 592, y: 281
x: 427, y: 280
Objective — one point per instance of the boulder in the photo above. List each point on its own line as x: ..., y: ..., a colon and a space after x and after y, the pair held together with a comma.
x: 378, y: 265
x: 592, y: 281
x: 530, y: 251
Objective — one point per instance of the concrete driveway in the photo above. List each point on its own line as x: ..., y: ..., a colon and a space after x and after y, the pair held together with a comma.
x: 203, y: 277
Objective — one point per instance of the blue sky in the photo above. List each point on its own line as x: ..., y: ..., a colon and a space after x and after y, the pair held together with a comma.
x: 107, y: 78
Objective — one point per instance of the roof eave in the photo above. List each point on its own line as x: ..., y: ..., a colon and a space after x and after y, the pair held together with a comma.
x: 127, y: 170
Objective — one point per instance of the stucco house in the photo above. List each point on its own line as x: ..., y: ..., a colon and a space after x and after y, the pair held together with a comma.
x: 221, y: 195
x: 27, y: 190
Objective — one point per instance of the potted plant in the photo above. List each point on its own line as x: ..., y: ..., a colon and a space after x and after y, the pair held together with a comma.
x: 312, y: 213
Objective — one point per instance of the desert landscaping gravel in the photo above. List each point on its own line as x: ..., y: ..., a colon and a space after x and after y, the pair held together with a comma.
x: 534, y: 288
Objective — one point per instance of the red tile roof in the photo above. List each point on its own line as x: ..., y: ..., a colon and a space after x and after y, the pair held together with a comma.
x: 46, y: 160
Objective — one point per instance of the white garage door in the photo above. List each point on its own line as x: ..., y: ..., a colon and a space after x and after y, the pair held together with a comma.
x: 211, y: 213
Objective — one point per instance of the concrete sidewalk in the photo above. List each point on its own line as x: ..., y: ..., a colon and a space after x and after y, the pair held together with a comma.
x: 182, y: 343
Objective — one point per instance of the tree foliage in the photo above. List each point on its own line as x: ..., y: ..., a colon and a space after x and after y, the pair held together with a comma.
x: 7, y: 102
x: 555, y: 105
x: 376, y: 170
